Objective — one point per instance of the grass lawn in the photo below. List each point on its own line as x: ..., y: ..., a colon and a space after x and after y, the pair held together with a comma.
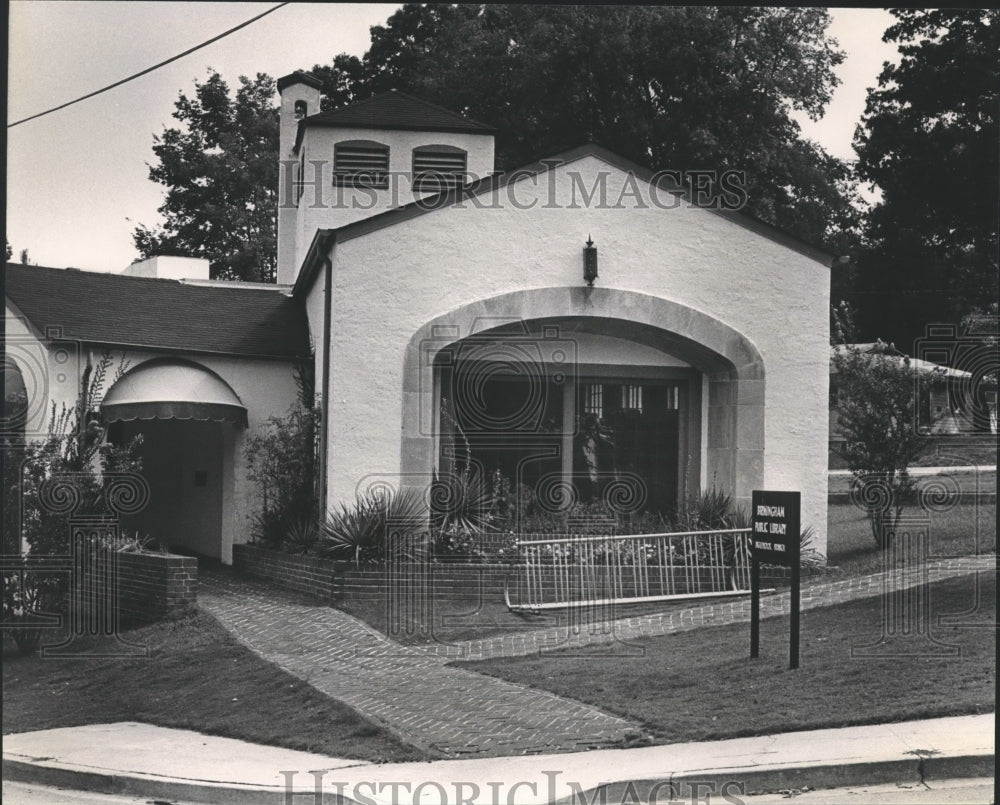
x: 968, y: 528
x: 472, y: 619
x: 701, y: 685
x: 197, y: 677
x: 976, y: 451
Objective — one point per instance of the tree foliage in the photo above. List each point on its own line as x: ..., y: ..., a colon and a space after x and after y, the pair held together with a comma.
x: 670, y: 87
x: 680, y: 88
x: 878, y: 395
x: 220, y: 169
x: 929, y: 140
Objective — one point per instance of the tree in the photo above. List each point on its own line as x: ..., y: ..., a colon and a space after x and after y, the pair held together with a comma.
x: 878, y: 395
x: 10, y: 250
x: 670, y: 87
x: 221, y: 173
x: 679, y: 88
x: 929, y: 140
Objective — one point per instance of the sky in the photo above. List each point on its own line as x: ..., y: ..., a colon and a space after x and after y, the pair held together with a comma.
x: 78, y: 179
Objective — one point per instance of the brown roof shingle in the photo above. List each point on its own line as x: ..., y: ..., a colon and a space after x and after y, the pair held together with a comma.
x: 396, y: 110
x: 159, y: 314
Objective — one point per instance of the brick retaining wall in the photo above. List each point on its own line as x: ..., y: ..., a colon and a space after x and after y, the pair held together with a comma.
x: 151, y: 586
x: 308, y: 575
x: 331, y: 581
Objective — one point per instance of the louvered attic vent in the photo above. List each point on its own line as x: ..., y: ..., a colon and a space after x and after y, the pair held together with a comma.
x: 361, y: 163
x: 438, y: 167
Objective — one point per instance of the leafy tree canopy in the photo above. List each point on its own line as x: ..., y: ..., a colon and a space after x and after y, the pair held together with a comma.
x: 221, y: 173
x: 679, y: 88
x: 670, y: 87
x: 930, y: 140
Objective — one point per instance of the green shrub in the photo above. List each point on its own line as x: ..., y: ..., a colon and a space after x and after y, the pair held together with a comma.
x: 877, y: 410
x: 282, y: 461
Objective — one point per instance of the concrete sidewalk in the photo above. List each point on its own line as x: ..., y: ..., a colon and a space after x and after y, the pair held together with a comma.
x: 155, y: 762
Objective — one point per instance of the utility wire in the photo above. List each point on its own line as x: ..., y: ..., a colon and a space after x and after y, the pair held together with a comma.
x: 149, y: 69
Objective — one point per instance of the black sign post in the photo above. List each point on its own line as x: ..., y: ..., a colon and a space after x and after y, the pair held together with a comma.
x: 774, y: 540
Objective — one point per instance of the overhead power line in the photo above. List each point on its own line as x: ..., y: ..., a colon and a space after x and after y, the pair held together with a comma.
x: 149, y: 69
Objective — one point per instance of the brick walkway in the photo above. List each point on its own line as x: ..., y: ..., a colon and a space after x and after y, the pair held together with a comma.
x: 446, y: 711
x: 589, y: 631
x: 456, y: 713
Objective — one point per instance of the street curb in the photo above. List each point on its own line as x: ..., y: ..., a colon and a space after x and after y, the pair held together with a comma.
x: 735, y: 782
x: 690, y: 787
x: 157, y: 788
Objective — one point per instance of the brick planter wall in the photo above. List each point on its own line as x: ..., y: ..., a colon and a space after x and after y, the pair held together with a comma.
x: 152, y: 586
x: 308, y: 575
x: 331, y: 581
x: 447, y: 580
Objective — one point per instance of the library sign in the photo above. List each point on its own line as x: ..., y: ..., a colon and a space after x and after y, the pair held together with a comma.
x: 775, y: 528
x: 774, y: 540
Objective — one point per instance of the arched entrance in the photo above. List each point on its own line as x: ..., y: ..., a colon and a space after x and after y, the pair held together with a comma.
x: 693, y: 418
x: 187, y: 417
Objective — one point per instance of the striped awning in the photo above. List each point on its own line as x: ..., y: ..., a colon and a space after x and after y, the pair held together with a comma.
x: 173, y: 389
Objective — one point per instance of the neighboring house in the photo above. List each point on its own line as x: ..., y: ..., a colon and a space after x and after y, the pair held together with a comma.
x: 576, y: 325
x: 942, y: 410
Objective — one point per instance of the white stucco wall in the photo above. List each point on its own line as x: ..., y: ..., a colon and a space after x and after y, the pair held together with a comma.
x: 325, y: 206
x: 392, y: 281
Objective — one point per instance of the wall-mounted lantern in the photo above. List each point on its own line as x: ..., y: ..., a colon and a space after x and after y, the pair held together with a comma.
x: 589, y: 262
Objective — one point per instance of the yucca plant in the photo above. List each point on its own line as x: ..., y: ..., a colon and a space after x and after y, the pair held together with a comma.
x: 706, y: 511
x: 462, y: 502
x: 301, y: 536
x: 377, y: 526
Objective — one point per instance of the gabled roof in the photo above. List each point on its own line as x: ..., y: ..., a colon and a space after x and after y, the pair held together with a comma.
x: 159, y: 314
x: 394, y: 110
x: 324, y: 238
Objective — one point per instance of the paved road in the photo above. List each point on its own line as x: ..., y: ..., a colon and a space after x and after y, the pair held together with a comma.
x: 978, y: 791
x: 31, y: 794
x: 949, y: 792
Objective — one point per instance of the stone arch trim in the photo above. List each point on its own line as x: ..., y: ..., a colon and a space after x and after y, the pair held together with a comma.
x: 734, y: 441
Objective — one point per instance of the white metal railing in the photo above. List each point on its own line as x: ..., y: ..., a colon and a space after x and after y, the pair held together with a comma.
x: 560, y: 571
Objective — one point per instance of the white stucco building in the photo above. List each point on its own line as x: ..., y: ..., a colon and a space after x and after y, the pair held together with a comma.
x: 458, y: 326
x: 451, y: 324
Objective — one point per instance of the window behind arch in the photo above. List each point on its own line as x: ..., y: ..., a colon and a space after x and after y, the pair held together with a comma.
x: 361, y: 163
x: 438, y: 167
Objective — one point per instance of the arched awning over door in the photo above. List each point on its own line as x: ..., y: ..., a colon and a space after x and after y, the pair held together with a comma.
x: 169, y: 388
